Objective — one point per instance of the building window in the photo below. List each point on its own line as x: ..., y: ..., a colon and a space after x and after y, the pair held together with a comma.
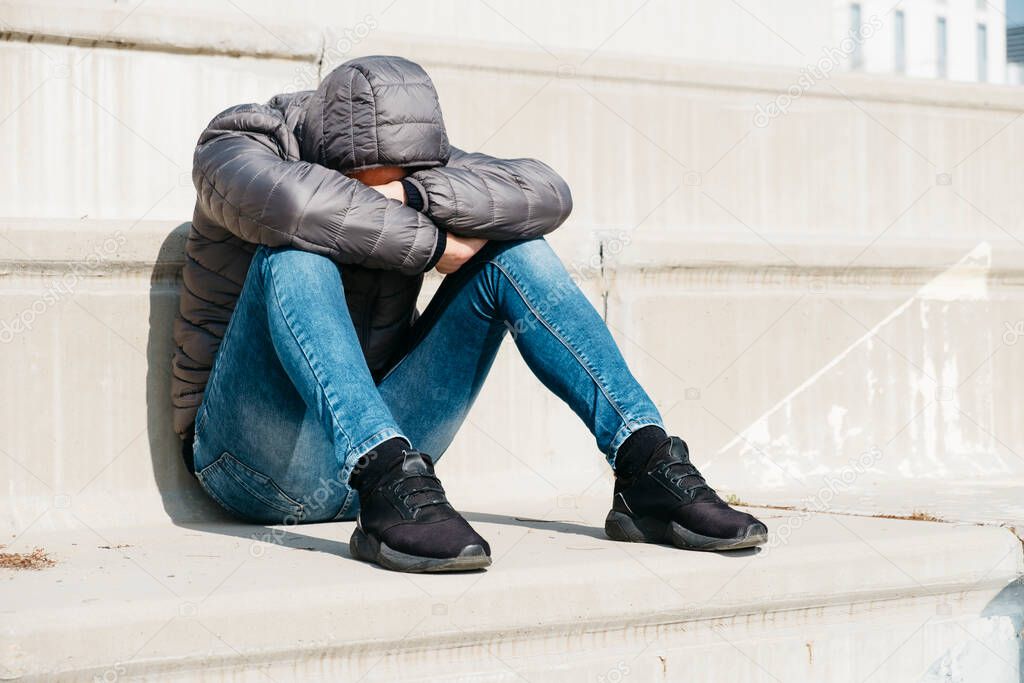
x: 941, y: 59
x: 857, y: 56
x: 982, y: 53
x: 899, y: 43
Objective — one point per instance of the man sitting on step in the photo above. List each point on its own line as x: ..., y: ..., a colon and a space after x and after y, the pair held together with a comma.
x: 306, y: 386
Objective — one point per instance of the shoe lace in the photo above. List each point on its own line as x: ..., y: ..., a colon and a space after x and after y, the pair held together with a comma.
x: 681, y: 470
x: 417, y: 484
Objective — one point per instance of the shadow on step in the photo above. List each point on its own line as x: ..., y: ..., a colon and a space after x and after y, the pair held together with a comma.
x: 571, y: 528
x: 182, y: 499
x: 288, y: 537
x: 561, y: 526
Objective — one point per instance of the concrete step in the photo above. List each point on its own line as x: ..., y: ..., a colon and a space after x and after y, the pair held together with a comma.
x: 694, y: 135
x: 975, y: 501
x: 152, y: 581
x: 780, y: 393
x: 833, y: 599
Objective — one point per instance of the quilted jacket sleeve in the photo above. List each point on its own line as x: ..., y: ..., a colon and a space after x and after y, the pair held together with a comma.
x: 477, y: 195
x: 249, y: 179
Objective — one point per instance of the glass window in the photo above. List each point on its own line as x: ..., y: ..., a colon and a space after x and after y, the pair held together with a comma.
x: 857, y: 56
x: 899, y: 42
x: 982, y: 53
x: 941, y: 59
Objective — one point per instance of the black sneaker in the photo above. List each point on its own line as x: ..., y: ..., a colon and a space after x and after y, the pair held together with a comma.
x: 406, y: 524
x: 668, y: 501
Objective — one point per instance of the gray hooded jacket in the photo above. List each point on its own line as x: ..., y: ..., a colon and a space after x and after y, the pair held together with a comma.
x: 274, y: 174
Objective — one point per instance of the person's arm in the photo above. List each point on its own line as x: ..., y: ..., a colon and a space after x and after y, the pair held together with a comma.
x: 252, y: 184
x: 477, y: 195
x: 451, y: 251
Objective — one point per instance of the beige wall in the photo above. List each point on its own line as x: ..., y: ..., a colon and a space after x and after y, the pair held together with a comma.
x: 796, y: 281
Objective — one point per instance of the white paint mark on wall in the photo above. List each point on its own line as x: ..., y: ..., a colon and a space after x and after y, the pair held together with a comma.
x: 921, y: 382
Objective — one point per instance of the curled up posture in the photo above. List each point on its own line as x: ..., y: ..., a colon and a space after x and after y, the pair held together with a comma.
x: 307, y: 387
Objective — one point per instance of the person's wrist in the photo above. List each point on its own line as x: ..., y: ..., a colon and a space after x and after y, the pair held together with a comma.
x: 439, y: 248
x: 413, y: 196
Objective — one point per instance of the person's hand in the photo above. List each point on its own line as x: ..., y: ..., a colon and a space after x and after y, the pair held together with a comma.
x: 393, y: 190
x: 458, y: 250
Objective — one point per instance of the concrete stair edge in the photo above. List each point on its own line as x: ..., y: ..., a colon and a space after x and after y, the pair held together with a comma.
x: 535, y: 589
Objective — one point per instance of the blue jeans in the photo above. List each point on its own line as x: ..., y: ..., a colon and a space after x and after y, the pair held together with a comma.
x: 291, y: 405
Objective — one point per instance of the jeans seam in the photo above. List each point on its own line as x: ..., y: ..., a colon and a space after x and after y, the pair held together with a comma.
x: 349, y: 498
x: 224, y: 354
x: 200, y: 420
x: 313, y: 368
x: 569, y: 347
x: 231, y: 508
x: 260, y: 256
x: 216, y: 498
x: 261, y: 498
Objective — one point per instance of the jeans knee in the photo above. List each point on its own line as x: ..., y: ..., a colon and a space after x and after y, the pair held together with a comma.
x: 529, y: 255
x: 301, y: 265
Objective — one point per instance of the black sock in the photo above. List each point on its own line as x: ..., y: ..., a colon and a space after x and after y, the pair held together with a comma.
x: 372, y: 465
x: 635, y: 451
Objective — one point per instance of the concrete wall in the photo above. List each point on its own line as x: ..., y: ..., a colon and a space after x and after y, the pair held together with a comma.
x: 801, y: 271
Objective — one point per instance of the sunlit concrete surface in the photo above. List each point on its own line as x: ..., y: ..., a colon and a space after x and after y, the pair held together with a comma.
x: 877, y: 388
x: 823, y: 298
x: 795, y: 385
x: 260, y: 27
x: 681, y: 145
x: 100, y: 486
x: 838, y: 599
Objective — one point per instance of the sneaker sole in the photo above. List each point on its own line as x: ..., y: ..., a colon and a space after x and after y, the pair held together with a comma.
x: 621, y: 527
x: 368, y: 549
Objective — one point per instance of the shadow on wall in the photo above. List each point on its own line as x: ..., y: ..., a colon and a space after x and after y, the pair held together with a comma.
x: 991, y: 649
x: 183, y: 500
x: 1009, y: 604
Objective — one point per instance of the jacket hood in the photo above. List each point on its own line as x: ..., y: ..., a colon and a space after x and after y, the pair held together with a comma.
x: 374, y: 111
